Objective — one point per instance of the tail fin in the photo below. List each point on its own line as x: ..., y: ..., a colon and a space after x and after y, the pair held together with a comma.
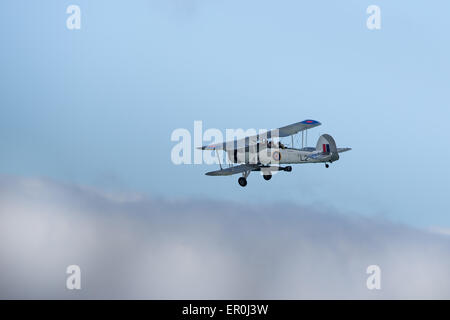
x: 327, y: 145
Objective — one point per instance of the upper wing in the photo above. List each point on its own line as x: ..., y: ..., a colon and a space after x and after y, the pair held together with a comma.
x: 233, y: 170
x: 297, y: 127
x: 275, y: 133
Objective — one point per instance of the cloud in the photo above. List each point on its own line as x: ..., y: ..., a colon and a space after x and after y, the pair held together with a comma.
x: 133, y: 246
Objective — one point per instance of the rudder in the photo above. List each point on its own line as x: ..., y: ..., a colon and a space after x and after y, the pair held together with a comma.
x: 327, y: 145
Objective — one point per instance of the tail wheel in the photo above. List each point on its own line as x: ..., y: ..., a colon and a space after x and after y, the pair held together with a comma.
x: 267, y: 177
x: 242, y: 181
x: 327, y: 165
x: 288, y: 169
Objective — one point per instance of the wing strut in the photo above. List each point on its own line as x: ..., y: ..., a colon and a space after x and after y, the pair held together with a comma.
x: 304, y: 138
x: 218, y: 158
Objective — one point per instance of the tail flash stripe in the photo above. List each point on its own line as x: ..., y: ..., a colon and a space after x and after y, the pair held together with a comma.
x: 324, y: 148
x: 328, y: 148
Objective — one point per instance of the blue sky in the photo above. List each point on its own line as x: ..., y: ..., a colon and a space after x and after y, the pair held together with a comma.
x: 97, y: 106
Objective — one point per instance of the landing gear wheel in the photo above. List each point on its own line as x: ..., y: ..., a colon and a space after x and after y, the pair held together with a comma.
x: 267, y: 177
x: 242, y: 181
x: 327, y: 165
x: 288, y: 169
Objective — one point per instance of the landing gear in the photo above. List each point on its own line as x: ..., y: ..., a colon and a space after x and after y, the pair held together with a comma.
x: 267, y: 177
x: 327, y: 165
x: 288, y: 169
x: 242, y: 181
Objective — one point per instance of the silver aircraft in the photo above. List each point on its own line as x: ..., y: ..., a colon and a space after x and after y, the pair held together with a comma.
x: 265, y: 153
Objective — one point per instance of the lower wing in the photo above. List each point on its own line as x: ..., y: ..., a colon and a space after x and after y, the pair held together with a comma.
x: 233, y: 170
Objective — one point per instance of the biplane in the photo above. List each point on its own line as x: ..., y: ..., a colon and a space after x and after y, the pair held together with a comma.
x: 265, y: 153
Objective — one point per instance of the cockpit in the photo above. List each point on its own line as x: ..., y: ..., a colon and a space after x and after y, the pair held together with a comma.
x: 275, y: 145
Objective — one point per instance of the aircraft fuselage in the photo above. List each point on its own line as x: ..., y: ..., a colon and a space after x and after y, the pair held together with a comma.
x: 270, y: 156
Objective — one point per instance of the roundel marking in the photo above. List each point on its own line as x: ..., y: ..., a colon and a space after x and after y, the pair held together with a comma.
x: 276, y: 156
x: 310, y: 122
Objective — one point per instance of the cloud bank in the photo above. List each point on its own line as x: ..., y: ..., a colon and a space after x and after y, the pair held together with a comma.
x: 133, y: 246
